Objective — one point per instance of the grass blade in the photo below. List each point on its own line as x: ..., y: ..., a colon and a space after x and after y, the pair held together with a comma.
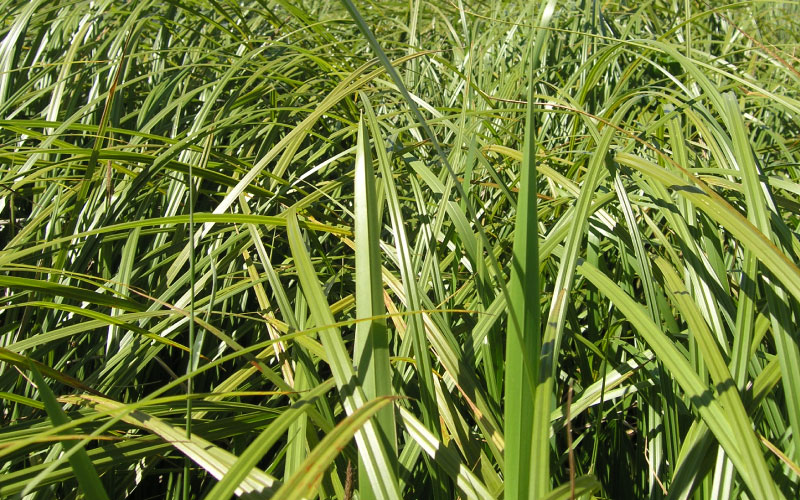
x: 84, y: 470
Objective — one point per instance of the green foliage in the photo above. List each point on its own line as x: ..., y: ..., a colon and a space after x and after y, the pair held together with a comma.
x: 399, y: 249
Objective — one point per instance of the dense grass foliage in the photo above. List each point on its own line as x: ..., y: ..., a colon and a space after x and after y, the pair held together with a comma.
x: 400, y: 249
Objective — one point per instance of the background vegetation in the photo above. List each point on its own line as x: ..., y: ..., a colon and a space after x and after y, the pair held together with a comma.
x: 399, y: 249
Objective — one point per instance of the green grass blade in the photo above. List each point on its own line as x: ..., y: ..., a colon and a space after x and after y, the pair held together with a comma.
x: 584, y: 485
x: 260, y: 446
x: 416, y: 328
x: 304, y: 483
x: 371, y: 350
x: 527, y: 468
x: 215, y: 460
x: 748, y: 462
x: 376, y: 459
x: 449, y: 461
x: 81, y: 465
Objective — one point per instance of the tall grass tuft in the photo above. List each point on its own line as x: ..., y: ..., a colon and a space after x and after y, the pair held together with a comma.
x: 400, y: 249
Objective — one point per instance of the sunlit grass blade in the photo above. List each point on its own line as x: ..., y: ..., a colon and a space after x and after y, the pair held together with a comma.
x: 376, y: 458
x: 527, y: 455
x: 749, y: 463
x: 416, y: 329
x: 304, y: 482
x: 215, y: 460
x: 371, y: 350
x: 260, y: 447
x: 464, y: 478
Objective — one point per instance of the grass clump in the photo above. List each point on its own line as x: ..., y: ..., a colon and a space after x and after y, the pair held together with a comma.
x: 399, y: 250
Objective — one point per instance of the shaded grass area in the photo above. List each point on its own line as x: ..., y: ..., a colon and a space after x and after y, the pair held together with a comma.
x: 399, y: 250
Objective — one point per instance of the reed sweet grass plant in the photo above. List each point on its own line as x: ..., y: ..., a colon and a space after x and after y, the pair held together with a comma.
x: 399, y: 249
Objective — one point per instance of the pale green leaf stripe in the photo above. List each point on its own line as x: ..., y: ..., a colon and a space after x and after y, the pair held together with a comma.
x: 83, y: 327
x: 415, y: 327
x: 698, y: 438
x: 104, y: 319
x: 725, y: 386
x: 9, y: 396
x: 299, y: 131
x: 8, y: 47
x: 45, y: 287
x: 80, y: 155
x: 554, y: 326
x: 451, y: 361
x: 428, y: 405
x: 760, y: 209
